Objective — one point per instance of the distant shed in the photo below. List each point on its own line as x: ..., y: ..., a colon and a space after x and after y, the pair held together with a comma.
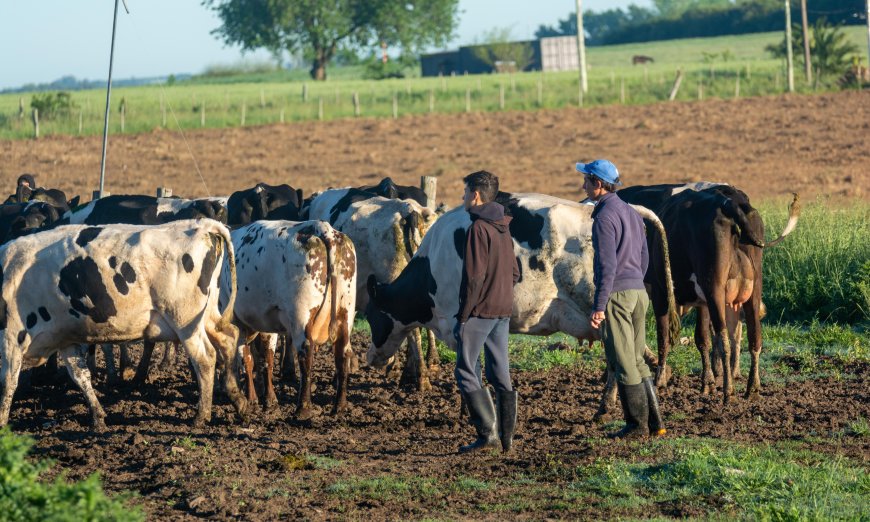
x: 558, y: 53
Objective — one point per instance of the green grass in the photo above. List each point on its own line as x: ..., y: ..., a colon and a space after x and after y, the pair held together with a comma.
x: 25, y: 496
x: 265, y: 96
x: 822, y: 270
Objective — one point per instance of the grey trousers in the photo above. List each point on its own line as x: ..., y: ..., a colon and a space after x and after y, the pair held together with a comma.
x: 491, y: 336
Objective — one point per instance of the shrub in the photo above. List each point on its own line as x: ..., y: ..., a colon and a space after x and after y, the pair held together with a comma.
x: 51, y: 105
x: 24, y: 497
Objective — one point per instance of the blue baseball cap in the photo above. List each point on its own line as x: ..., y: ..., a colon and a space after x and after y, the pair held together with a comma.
x: 601, y: 169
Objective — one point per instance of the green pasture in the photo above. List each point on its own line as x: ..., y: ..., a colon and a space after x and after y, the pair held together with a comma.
x: 712, y: 67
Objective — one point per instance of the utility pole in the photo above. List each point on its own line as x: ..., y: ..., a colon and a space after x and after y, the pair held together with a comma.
x: 581, y: 47
x: 788, y: 51
x: 808, y: 68
x: 108, y: 99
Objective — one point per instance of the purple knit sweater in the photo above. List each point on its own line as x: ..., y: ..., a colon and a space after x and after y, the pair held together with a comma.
x: 621, y: 255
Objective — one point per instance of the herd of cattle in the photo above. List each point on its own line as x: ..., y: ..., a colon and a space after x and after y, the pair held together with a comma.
x: 218, y: 274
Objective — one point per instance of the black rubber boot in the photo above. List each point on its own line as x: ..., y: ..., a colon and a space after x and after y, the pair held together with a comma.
x: 656, y: 424
x: 635, y: 410
x: 481, y: 411
x: 506, y: 404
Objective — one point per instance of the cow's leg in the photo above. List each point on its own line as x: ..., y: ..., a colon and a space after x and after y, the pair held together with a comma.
x: 224, y: 343
x: 343, y: 354
x: 663, y: 340
x: 751, y: 309
x: 92, y: 359
x: 170, y: 354
x: 75, y: 359
x: 248, y: 357
x: 716, y: 306
x: 735, y: 335
x: 433, y: 359
x: 703, y: 342
x: 10, y: 369
x: 202, y: 358
x: 304, y: 410
x: 142, y: 370
x: 126, y: 369
x: 288, y: 363
x: 415, y: 373
x: 269, y: 344
x: 112, y: 376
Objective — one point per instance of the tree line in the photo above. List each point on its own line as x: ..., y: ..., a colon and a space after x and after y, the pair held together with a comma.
x: 674, y: 19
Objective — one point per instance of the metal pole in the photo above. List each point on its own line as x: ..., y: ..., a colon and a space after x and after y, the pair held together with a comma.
x: 788, y: 51
x: 868, y: 33
x: 108, y: 100
x: 581, y: 47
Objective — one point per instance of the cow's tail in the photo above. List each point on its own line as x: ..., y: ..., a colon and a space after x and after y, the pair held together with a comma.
x: 327, y: 314
x: 794, y: 211
x: 673, y: 315
x: 413, y: 228
x: 223, y: 237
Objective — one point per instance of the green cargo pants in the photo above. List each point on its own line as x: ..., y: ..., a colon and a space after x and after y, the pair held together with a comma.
x: 623, y: 333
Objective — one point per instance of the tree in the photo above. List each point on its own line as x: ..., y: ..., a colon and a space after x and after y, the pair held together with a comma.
x: 319, y: 28
x: 498, y: 50
x: 829, y: 46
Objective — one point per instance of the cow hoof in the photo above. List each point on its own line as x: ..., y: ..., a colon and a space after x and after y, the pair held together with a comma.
x: 200, y: 421
x: 753, y: 396
x: 602, y: 417
x: 307, y: 413
x: 434, y: 369
x: 423, y: 385
x: 271, y: 404
x: 98, y: 426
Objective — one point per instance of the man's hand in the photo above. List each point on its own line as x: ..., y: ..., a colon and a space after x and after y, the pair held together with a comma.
x: 597, y: 318
x: 457, y: 331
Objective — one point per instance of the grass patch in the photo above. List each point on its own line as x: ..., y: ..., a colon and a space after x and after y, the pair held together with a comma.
x: 24, y: 497
x: 725, y: 479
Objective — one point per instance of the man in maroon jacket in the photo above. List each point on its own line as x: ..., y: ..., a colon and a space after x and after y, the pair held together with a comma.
x: 485, y: 302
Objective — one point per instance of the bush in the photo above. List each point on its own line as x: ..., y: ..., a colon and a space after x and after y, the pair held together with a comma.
x: 24, y: 497
x: 51, y: 105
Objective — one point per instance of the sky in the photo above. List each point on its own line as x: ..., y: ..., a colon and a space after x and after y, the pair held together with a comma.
x: 43, y: 40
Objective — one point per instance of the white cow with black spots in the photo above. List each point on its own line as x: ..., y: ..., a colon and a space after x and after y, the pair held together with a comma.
x: 77, y: 285
x: 297, y: 279
x: 386, y: 234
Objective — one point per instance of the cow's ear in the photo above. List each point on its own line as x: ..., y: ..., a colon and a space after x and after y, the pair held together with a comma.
x: 74, y: 202
x: 372, y: 287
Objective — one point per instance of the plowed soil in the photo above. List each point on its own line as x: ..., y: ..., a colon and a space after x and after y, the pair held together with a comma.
x: 768, y: 146
x: 255, y: 472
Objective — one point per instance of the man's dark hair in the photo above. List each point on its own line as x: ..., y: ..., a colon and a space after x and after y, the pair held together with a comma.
x: 486, y: 183
x: 609, y: 187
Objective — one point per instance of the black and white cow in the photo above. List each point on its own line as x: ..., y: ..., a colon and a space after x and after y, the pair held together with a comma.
x: 264, y: 202
x: 388, y: 189
x: 76, y: 285
x: 553, y: 244
x: 297, y: 279
x: 145, y: 210
x: 44, y: 208
x: 386, y: 233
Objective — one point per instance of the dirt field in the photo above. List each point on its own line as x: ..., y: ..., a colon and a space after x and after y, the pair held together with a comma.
x: 767, y: 146
x: 250, y: 472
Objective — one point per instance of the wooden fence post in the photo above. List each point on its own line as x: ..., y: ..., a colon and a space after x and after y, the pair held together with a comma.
x: 123, y: 115
x: 431, y: 100
x: 163, y: 108
x: 305, y: 92
x: 320, y: 108
x: 244, y: 109
x: 36, y: 123
x: 467, y: 100
x: 429, y: 185
x: 737, y: 85
x: 80, y: 121
x: 700, y: 90
x: 20, y: 108
x: 164, y: 192
x: 281, y: 115
x: 501, y: 96
x: 395, y: 106
x: 356, y: 107
x: 676, y: 88
x: 622, y: 90
x: 202, y: 113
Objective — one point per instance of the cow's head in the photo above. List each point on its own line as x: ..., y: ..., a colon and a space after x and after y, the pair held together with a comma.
x: 395, y: 308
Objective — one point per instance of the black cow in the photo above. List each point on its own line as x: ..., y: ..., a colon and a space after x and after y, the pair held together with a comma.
x: 145, y: 210
x: 264, y: 202
x: 716, y: 239
x: 43, y: 208
x: 387, y: 189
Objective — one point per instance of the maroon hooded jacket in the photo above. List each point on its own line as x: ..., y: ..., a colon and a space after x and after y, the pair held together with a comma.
x: 490, y: 267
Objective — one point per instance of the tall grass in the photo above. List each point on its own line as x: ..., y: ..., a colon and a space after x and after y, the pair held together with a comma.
x: 822, y: 270
x: 266, y: 96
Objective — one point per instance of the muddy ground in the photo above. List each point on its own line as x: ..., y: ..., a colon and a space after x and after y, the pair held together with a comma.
x: 768, y: 146
x: 260, y: 471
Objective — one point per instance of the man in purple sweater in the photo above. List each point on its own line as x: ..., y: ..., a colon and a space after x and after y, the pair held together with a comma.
x: 620, y: 262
